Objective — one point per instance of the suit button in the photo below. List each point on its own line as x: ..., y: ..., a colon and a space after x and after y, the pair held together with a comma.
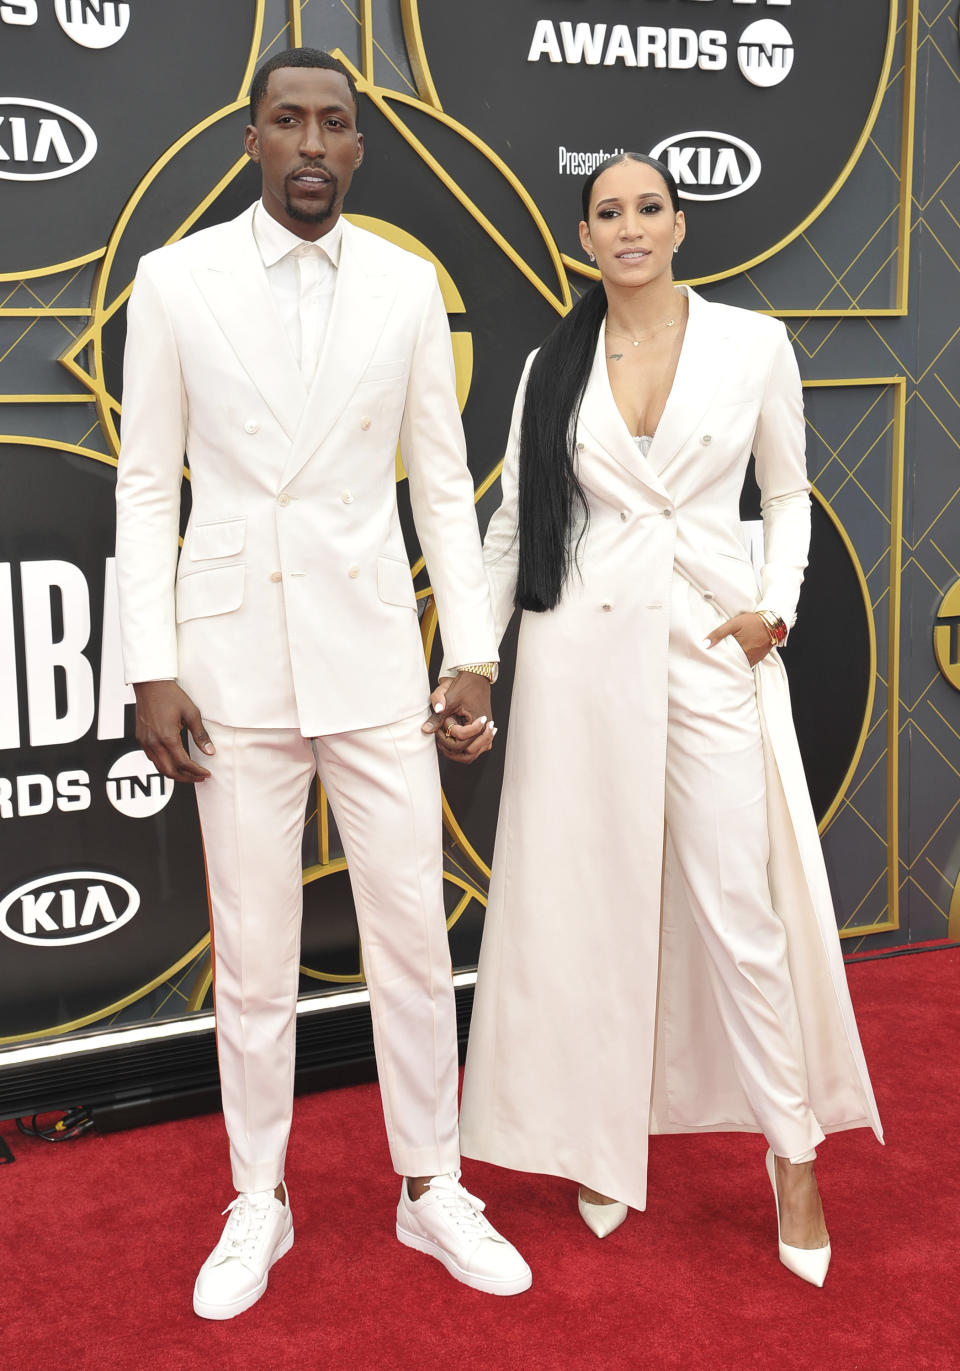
x: 353, y: 573
x: 707, y: 439
x: 251, y: 426
x: 364, y: 424
x: 347, y: 497
x: 624, y: 515
x: 283, y: 499
x: 579, y: 447
x: 708, y: 594
x: 667, y: 513
x: 606, y: 606
x: 276, y: 575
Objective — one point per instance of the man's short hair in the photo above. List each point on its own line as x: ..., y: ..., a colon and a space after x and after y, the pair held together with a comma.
x: 297, y: 57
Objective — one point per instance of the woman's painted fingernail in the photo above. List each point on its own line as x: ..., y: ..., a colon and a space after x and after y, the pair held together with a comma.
x: 482, y: 719
x: 438, y: 707
x: 493, y: 732
x: 491, y: 726
x: 706, y: 643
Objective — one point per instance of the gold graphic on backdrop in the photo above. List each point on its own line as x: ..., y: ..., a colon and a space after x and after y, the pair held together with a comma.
x: 946, y: 636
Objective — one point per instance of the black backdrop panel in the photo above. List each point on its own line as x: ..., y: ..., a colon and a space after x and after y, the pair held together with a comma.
x: 76, y: 795
x: 762, y: 107
x: 117, y: 106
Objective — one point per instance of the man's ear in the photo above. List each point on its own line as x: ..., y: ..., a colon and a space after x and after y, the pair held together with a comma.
x: 251, y: 143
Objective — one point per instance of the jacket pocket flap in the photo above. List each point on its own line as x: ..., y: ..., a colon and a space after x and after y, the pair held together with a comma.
x: 222, y: 539
x: 394, y: 583
x: 215, y: 591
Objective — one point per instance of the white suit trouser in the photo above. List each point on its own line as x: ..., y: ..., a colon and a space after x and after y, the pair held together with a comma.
x: 384, y: 789
x: 716, y: 830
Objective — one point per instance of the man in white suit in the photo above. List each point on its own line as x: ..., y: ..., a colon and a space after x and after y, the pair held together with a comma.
x: 286, y: 353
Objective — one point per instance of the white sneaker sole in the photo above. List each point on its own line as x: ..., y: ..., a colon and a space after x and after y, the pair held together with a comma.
x: 488, y: 1284
x: 235, y: 1307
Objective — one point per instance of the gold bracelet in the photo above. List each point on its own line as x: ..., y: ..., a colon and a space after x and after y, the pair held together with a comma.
x: 776, y: 628
x: 480, y: 669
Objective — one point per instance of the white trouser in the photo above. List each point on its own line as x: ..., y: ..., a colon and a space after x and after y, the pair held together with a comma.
x: 384, y: 789
x: 716, y: 828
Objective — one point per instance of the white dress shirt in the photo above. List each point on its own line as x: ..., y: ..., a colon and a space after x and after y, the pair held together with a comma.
x: 302, y: 278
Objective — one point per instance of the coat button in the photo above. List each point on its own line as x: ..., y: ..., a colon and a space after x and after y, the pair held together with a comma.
x: 251, y: 426
x: 353, y: 573
x: 579, y: 447
x: 667, y: 513
x: 707, y: 439
x: 276, y: 575
x: 606, y: 606
x: 347, y: 497
x: 624, y: 515
x: 708, y: 594
x: 364, y: 424
x: 283, y: 499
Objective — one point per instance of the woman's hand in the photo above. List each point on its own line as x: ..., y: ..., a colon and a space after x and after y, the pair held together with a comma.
x: 750, y: 632
x: 463, y: 733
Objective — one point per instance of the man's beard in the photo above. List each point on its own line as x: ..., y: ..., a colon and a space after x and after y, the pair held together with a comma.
x: 310, y: 216
x: 314, y: 216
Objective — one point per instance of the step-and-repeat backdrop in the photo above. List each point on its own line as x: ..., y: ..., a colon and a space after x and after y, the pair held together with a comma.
x: 792, y: 129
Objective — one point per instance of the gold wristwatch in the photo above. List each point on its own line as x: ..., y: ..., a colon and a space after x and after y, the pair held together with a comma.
x: 480, y: 669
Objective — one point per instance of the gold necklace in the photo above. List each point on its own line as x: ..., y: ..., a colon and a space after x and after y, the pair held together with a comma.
x: 644, y: 337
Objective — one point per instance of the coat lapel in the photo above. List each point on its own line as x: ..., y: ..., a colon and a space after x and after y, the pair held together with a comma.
x: 602, y: 420
x: 361, y: 304
x: 697, y: 380
x: 234, y: 285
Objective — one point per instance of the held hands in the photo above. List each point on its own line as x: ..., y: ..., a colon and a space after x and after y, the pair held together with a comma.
x: 750, y: 632
x: 163, y: 712
x: 461, y: 717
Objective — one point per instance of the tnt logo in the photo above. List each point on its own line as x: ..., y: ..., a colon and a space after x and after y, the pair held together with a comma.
x: 946, y: 636
x: 93, y: 23
x: 765, y: 52
x: 70, y: 907
x: 136, y: 788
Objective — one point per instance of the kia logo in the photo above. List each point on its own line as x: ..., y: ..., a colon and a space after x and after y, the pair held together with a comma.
x: 717, y: 166
x: 39, y: 142
x: 71, y: 907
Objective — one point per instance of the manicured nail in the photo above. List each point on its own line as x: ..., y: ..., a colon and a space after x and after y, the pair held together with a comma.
x: 438, y: 707
x: 482, y: 719
x: 491, y: 726
x: 209, y: 749
x: 706, y: 643
x: 494, y: 732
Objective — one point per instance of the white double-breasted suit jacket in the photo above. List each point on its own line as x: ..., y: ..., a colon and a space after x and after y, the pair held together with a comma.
x: 291, y: 604
x: 593, y: 1021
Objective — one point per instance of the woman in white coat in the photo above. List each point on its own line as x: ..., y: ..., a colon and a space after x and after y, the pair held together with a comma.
x: 660, y: 952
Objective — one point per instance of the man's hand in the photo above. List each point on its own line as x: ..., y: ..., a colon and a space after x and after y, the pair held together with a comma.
x: 461, y: 717
x: 750, y: 632
x: 163, y: 712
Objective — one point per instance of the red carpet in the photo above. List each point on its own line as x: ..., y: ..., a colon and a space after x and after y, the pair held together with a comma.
x: 101, y: 1239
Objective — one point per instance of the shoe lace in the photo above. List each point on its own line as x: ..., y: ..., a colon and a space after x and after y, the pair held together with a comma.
x: 464, y: 1210
x: 248, y: 1214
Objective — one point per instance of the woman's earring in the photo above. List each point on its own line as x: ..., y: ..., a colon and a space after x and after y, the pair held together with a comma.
x: 676, y: 249
x: 591, y: 256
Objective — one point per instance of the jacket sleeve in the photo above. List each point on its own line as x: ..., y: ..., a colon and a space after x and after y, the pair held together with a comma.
x: 441, y: 491
x: 501, y: 547
x: 149, y: 473
x: 779, y: 449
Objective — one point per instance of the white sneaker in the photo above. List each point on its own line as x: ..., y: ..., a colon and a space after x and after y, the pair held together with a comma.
x: 258, y: 1232
x: 447, y: 1223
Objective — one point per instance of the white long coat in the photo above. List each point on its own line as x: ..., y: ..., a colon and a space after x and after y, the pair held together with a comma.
x: 587, y: 1030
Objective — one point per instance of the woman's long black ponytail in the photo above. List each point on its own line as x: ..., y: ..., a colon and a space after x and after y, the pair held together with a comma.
x: 551, y: 498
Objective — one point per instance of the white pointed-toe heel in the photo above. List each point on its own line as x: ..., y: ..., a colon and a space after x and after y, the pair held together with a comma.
x: 601, y: 1219
x: 809, y: 1263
